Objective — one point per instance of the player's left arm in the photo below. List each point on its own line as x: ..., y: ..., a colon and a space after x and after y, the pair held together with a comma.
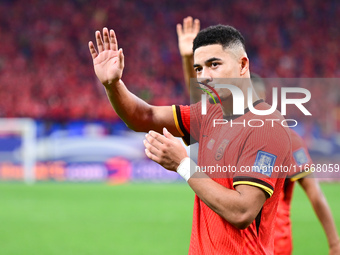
x: 323, y: 212
x: 239, y: 207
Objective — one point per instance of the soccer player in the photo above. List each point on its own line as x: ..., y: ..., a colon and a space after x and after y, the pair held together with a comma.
x: 301, y: 158
x: 233, y: 209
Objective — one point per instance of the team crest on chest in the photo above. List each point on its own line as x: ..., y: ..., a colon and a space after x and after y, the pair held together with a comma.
x: 220, y: 151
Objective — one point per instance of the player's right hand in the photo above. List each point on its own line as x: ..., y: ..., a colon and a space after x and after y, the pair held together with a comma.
x: 108, y: 61
x: 165, y: 150
x: 186, y: 35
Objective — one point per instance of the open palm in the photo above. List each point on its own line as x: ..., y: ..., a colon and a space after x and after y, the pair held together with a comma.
x: 108, y: 62
x: 186, y: 35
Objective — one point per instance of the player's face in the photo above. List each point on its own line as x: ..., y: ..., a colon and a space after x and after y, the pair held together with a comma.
x: 212, y: 63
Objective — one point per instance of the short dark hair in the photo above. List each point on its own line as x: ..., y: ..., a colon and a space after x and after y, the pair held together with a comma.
x: 226, y: 36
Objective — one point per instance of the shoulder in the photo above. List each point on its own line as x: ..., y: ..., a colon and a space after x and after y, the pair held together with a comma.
x: 297, y: 141
x: 270, y: 130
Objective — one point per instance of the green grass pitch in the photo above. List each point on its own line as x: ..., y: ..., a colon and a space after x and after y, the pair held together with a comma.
x: 61, y: 218
x: 308, y: 234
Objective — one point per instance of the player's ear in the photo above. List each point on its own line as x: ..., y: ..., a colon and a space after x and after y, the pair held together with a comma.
x: 244, y: 67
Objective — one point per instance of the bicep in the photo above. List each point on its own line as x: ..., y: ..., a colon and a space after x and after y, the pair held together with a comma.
x: 163, y: 116
x: 252, y: 198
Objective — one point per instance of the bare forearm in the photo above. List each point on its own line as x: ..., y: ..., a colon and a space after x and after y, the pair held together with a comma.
x: 137, y: 114
x: 230, y: 204
x: 324, y: 215
x: 188, y: 70
x: 321, y: 208
x: 131, y: 109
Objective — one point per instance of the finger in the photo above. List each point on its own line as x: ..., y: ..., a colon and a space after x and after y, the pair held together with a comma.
x: 185, y: 25
x: 197, y: 26
x: 179, y: 30
x: 153, y: 141
x: 151, y: 156
x: 113, y: 41
x: 161, y: 139
x: 121, y: 58
x: 93, y: 51
x: 167, y: 134
x: 99, y: 40
x: 151, y: 148
x: 189, y: 24
x: 106, y: 38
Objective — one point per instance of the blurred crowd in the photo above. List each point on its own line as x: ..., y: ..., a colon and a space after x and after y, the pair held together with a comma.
x: 46, y: 70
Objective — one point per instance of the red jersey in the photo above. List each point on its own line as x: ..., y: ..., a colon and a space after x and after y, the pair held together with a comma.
x: 283, y: 229
x: 237, y: 146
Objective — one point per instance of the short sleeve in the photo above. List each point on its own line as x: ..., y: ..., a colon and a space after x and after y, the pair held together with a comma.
x: 265, y: 157
x: 300, y: 158
x: 188, y: 121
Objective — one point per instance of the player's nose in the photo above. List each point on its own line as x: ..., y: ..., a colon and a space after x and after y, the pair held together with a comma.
x: 206, y: 74
x: 204, y: 81
x: 204, y: 77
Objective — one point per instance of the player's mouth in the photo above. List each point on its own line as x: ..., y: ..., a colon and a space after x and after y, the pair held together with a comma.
x: 207, y: 85
x: 210, y: 89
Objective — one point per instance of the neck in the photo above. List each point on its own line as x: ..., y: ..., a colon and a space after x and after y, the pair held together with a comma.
x: 227, y: 105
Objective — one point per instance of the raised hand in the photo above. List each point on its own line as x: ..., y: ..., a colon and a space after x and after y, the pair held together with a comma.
x: 108, y: 61
x: 186, y: 35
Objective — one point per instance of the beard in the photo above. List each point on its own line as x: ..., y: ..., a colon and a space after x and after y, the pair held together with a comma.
x: 211, y: 101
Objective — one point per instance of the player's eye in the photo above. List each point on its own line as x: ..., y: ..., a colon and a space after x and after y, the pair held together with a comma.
x: 198, y: 69
x: 215, y: 64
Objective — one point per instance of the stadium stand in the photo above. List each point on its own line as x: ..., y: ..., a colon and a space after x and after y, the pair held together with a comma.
x: 46, y: 71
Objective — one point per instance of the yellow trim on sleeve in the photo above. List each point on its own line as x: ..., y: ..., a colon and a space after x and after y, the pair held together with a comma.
x: 176, y: 120
x: 265, y: 188
x: 301, y: 175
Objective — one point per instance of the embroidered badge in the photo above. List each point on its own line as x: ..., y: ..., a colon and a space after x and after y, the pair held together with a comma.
x: 300, y: 157
x: 264, y: 163
x: 220, y: 151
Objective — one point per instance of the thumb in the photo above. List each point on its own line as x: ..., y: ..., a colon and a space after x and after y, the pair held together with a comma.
x: 167, y: 134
